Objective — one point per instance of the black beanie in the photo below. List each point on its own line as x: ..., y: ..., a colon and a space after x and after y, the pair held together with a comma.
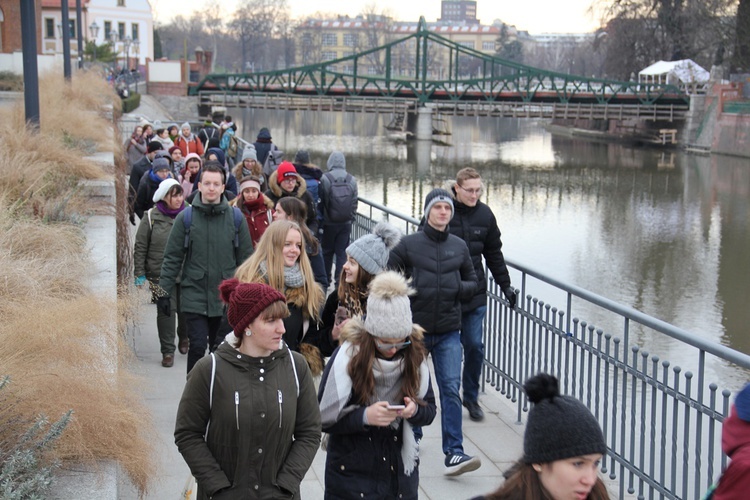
x: 558, y: 427
x: 154, y: 146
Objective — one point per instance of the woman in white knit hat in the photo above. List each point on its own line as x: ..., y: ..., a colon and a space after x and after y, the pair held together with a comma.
x: 366, y: 257
x: 375, y: 388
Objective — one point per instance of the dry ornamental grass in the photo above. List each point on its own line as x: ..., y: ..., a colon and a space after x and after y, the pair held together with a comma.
x: 61, y: 345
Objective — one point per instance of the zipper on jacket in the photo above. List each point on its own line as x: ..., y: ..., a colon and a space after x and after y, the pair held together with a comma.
x: 280, y: 401
x: 237, y: 408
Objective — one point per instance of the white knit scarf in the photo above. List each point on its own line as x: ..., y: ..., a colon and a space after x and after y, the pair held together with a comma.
x: 338, y: 391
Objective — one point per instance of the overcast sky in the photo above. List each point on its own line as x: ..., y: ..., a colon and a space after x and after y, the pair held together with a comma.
x: 535, y: 16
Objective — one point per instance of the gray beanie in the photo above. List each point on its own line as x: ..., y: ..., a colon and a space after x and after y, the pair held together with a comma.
x: 336, y: 160
x: 160, y: 164
x: 249, y: 153
x: 388, y: 307
x: 302, y: 157
x: 435, y: 196
x: 371, y: 250
x: 558, y: 427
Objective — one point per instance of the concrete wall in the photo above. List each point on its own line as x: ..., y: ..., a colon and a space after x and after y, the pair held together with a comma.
x: 14, y: 62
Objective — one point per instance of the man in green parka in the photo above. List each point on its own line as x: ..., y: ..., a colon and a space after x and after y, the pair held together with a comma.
x: 215, y: 246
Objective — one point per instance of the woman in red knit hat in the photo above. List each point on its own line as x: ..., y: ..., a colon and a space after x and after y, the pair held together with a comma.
x: 287, y: 182
x: 248, y: 424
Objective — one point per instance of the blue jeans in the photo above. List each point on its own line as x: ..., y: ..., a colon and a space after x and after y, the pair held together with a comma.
x: 334, y: 241
x: 471, y: 338
x: 446, y: 356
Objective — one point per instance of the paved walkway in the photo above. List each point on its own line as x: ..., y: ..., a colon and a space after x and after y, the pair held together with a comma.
x: 497, y: 440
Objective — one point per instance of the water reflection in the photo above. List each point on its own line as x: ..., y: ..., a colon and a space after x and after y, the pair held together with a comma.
x: 664, y: 232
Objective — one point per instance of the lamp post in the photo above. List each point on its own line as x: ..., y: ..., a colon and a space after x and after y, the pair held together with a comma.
x: 94, y: 30
x: 113, y: 40
x: 126, y: 42
x: 136, y: 47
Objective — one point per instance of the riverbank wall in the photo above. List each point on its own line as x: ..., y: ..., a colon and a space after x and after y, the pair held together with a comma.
x: 720, y: 122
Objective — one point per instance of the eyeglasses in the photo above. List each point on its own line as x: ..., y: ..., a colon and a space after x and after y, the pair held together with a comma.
x: 472, y: 191
x: 383, y: 346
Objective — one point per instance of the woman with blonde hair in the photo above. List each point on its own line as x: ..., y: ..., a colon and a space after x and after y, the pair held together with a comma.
x: 281, y: 262
x: 294, y: 209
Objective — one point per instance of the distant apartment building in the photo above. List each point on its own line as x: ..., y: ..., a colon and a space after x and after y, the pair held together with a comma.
x: 458, y: 11
x: 328, y: 40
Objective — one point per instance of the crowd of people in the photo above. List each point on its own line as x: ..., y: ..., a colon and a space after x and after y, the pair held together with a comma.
x: 238, y: 248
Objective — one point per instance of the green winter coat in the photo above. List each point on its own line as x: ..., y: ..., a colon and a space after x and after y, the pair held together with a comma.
x: 209, y: 259
x: 264, y: 425
x: 150, y: 241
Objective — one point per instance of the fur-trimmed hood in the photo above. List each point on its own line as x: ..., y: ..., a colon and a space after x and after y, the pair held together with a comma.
x: 275, y: 188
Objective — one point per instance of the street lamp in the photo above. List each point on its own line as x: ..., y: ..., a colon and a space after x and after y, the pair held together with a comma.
x: 136, y: 47
x: 126, y: 42
x: 94, y: 30
x: 113, y: 40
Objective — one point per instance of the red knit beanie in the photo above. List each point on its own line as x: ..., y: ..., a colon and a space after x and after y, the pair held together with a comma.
x: 285, y: 170
x: 246, y: 301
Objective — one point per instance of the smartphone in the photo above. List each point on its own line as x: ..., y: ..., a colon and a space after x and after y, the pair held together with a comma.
x: 396, y: 407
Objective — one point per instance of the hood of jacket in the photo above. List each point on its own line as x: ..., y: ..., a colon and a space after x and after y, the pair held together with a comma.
x: 264, y: 134
x: 273, y: 185
x: 308, y: 171
x: 220, y: 156
x: 336, y: 160
x: 735, y: 434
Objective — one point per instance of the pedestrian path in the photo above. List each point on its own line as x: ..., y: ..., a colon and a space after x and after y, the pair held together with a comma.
x: 497, y: 440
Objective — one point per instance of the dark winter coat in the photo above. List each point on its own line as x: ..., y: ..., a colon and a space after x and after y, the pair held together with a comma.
x: 367, y: 459
x: 477, y: 226
x: 735, y: 441
x: 144, y: 200
x: 440, y: 267
x: 263, y: 145
x: 275, y: 193
x: 210, y: 258
x: 136, y: 174
x: 150, y: 242
x: 262, y: 436
x: 324, y: 341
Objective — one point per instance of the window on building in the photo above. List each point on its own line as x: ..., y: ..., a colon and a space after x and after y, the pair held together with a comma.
x: 329, y: 40
x: 134, y: 31
x: 49, y: 27
x: 468, y: 45
x: 307, y: 40
x: 121, y: 30
x: 488, y: 46
x: 72, y: 28
x: 328, y: 56
x: 107, y: 29
x: 372, y: 70
x: 351, y: 39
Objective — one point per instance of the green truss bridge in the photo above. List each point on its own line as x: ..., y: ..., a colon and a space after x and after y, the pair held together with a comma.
x: 426, y: 70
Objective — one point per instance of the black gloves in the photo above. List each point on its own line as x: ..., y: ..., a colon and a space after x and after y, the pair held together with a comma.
x: 132, y: 218
x: 510, y: 294
x: 164, y: 305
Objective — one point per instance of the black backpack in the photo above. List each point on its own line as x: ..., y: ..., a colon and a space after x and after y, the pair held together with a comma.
x: 340, y: 200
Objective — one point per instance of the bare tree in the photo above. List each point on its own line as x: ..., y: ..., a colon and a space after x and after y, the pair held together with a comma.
x: 215, y: 27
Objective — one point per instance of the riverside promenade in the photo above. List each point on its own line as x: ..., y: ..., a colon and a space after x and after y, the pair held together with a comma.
x: 498, y: 440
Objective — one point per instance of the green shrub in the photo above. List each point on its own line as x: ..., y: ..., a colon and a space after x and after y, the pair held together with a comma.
x: 131, y: 102
x: 10, y: 81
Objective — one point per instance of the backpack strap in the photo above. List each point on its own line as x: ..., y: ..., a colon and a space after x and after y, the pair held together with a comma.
x: 211, y: 393
x: 187, y: 221
x: 150, y: 222
x: 294, y: 369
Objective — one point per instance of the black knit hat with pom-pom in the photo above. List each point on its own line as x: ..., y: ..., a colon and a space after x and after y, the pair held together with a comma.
x: 246, y: 301
x: 558, y: 427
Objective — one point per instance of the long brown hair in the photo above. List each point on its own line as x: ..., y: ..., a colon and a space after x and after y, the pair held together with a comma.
x: 522, y: 483
x: 360, y: 366
x: 296, y: 210
x: 269, y: 250
x: 357, y: 289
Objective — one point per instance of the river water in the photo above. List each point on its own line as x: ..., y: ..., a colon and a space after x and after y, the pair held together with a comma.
x: 665, y: 232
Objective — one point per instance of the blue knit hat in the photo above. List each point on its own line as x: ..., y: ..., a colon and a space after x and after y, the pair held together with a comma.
x: 742, y: 403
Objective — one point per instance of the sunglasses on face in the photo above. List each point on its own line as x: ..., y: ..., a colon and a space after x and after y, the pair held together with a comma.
x: 383, y: 346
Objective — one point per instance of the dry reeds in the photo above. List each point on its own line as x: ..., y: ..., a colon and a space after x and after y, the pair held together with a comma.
x: 60, y: 344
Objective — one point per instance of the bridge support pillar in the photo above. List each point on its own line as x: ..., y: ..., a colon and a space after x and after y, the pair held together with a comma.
x: 423, y: 130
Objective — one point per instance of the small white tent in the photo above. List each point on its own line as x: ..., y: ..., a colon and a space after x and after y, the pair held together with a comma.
x: 683, y: 72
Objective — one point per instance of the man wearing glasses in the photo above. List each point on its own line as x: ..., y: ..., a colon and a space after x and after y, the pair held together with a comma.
x: 442, y: 273
x: 475, y: 223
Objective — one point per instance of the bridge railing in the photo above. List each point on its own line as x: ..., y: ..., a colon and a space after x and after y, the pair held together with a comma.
x: 661, y: 421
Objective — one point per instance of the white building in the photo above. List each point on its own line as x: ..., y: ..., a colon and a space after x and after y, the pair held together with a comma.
x: 126, y: 20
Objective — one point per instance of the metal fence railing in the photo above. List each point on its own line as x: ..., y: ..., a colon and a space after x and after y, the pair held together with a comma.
x: 661, y: 421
